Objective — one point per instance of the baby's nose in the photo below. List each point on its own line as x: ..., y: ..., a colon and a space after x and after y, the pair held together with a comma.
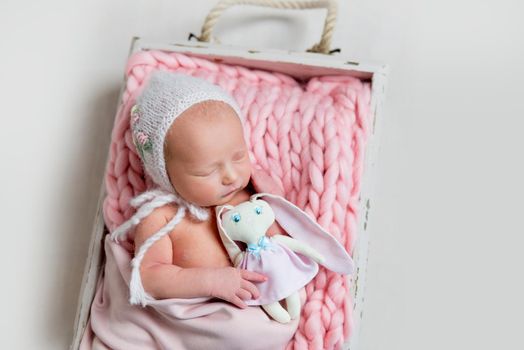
x: 229, y: 176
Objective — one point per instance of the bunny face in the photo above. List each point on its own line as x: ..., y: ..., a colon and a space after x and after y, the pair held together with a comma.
x: 248, y: 221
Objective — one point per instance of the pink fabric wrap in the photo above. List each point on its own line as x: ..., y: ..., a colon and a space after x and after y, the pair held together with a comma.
x: 198, y: 323
x: 309, y: 139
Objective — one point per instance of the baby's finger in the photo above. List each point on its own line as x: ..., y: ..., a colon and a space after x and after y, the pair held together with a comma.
x: 244, y: 294
x: 251, y: 288
x: 238, y: 302
x: 252, y: 276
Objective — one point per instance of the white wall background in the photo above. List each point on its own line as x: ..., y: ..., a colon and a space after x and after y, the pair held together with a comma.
x: 445, y: 265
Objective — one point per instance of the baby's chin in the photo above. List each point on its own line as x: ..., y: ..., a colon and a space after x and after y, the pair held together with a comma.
x: 226, y: 199
x: 215, y: 201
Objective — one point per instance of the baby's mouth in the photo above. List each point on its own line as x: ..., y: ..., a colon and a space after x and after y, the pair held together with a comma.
x: 230, y: 192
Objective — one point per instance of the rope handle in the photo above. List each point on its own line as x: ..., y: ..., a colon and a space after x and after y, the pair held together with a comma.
x: 322, y: 47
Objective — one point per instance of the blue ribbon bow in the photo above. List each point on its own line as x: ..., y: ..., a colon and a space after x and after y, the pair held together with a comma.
x: 263, y: 243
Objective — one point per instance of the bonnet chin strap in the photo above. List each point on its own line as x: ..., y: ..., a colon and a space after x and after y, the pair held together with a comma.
x: 136, y: 290
x: 157, y: 198
x: 148, y: 202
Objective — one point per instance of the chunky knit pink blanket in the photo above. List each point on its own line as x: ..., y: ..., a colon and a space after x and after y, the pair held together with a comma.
x: 309, y: 137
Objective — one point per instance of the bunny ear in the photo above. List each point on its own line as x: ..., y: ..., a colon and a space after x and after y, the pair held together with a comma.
x: 299, y: 225
x: 222, y: 208
x: 231, y: 247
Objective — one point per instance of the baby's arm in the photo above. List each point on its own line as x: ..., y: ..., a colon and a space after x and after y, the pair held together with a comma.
x: 162, y: 279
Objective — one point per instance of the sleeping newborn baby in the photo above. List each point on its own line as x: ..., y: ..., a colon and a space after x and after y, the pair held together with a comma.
x: 189, y: 136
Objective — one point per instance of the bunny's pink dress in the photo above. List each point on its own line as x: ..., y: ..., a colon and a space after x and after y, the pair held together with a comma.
x: 286, y: 270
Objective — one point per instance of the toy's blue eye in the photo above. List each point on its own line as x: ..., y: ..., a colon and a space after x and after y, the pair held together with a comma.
x: 258, y: 210
x: 235, y: 217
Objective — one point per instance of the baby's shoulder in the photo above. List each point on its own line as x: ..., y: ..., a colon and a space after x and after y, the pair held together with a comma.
x: 154, y: 222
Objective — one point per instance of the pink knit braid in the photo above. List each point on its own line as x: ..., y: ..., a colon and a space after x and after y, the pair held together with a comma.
x: 310, y: 138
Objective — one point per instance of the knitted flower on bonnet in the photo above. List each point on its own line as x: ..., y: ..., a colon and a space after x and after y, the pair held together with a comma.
x: 165, y: 96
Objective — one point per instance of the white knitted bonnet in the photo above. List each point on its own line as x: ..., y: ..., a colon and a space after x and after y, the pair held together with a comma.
x: 165, y: 96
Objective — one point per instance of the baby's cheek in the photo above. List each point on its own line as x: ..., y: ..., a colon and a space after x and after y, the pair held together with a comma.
x: 247, y: 170
x: 209, y: 187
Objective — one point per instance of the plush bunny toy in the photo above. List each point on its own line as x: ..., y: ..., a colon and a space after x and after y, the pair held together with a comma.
x: 289, y: 262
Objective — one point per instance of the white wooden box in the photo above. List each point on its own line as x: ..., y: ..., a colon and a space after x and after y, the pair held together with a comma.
x: 298, y: 65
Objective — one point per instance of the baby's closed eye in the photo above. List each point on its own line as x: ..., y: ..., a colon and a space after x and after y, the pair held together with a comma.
x: 204, y: 173
x: 238, y: 156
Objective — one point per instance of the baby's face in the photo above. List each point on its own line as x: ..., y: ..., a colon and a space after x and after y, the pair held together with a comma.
x: 206, y: 155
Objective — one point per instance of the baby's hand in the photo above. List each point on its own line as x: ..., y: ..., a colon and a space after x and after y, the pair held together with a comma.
x: 232, y: 284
